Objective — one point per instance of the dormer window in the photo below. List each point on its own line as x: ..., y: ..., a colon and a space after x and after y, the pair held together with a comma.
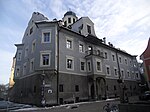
x: 73, y: 20
x: 69, y: 20
x: 89, y: 29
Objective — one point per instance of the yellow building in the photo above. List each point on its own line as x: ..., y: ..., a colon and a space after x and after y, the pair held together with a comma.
x: 11, y: 79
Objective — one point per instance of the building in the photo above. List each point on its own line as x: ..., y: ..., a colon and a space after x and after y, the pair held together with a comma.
x: 145, y: 56
x: 63, y: 61
x: 11, y: 79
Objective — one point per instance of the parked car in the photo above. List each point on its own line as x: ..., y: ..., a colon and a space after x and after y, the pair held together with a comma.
x: 145, y: 96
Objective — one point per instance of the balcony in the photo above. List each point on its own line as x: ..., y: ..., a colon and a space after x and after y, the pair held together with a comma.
x: 94, y: 53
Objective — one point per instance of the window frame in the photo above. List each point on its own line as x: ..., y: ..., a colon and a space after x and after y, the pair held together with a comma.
x: 33, y: 45
x: 89, y: 63
x: 98, y: 60
x: 71, y: 44
x: 41, y: 58
x: 107, y: 66
x: 82, y: 60
x: 32, y: 66
x: 70, y: 58
x: 46, y: 31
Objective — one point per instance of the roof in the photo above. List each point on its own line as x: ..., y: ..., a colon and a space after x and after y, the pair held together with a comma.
x: 70, y: 13
x: 146, y: 53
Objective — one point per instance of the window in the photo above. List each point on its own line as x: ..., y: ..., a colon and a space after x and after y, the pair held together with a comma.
x: 77, y: 88
x: 31, y: 30
x: 61, y: 89
x: 45, y: 58
x: 107, y: 70
x: 126, y: 61
x: 74, y: 20
x: 33, y: 46
x: 115, y: 87
x: 26, y: 52
x: 98, y: 65
x: 61, y: 101
x: 69, y: 63
x: 69, y: 20
x: 32, y: 65
x: 115, y: 72
x: 46, y: 36
x: 120, y: 60
x: 69, y: 43
x: 24, y: 68
x: 89, y: 66
x: 122, y: 74
x: 137, y: 75
x: 65, y: 23
x: 113, y: 57
x: 89, y: 29
x: 105, y: 55
x: 19, y: 55
x: 81, y: 48
x: 82, y: 65
x: 34, y: 89
x: 17, y: 71
x: 128, y: 73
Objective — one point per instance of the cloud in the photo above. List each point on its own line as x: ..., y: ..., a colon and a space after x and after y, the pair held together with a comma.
x: 5, y: 64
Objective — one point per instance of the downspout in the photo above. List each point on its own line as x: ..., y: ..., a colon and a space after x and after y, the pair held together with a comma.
x: 57, y: 71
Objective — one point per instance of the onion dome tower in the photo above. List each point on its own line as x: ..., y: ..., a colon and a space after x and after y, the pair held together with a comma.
x: 69, y: 18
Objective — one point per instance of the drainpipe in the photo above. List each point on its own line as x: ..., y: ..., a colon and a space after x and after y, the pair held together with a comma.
x: 57, y: 71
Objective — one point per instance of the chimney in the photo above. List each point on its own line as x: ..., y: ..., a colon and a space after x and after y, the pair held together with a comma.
x: 104, y: 40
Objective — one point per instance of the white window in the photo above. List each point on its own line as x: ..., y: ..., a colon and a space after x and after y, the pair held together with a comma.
x: 115, y: 71
x: 69, y: 63
x: 24, y: 68
x: 32, y: 65
x: 33, y: 45
x: 46, y: 36
x: 89, y: 65
x: 81, y: 47
x: 98, y: 65
x: 19, y: 55
x: 69, y: 43
x: 45, y: 58
x: 108, y: 70
x: 82, y: 65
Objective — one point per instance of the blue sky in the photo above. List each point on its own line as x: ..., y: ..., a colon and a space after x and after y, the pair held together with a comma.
x: 125, y: 23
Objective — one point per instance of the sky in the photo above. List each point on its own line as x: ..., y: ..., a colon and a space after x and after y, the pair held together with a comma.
x: 124, y: 23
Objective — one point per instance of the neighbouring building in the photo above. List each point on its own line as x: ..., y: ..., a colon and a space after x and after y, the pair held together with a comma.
x: 62, y: 61
x: 145, y: 56
x: 11, y: 79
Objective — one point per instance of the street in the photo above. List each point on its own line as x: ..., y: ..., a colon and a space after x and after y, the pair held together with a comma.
x: 95, y: 106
